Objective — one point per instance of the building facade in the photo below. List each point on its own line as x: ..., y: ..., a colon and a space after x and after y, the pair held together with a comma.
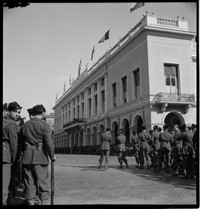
x: 148, y: 78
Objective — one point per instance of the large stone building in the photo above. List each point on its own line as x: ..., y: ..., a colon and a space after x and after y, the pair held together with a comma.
x: 148, y: 77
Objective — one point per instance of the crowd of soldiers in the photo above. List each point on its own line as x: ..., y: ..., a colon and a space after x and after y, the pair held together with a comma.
x: 27, y: 148
x: 173, y: 147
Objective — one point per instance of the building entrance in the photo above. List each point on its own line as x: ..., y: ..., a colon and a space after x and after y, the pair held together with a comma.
x: 137, y: 124
x: 114, y: 132
x: 125, y: 126
x: 174, y: 118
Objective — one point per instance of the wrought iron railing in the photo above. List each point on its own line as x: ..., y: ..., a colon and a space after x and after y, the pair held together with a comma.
x: 173, y: 97
x: 74, y: 121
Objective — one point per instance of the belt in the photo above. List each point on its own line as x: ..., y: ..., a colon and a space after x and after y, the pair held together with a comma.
x: 38, y: 146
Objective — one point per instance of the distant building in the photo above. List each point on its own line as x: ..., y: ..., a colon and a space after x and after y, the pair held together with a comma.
x: 50, y: 121
x: 148, y: 77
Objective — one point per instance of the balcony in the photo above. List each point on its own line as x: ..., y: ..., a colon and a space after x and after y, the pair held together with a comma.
x: 74, y: 123
x: 165, y: 99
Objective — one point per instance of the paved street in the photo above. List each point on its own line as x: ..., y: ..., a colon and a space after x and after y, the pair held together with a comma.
x: 78, y: 181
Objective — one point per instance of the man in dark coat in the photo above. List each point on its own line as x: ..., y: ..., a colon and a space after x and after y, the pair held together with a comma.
x: 105, y: 148
x: 136, y: 146
x: 9, y: 145
x: 37, y: 146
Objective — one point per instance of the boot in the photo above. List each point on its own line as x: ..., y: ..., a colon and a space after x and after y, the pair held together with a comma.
x: 127, y: 166
x: 100, y: 166
x: 120, y: 165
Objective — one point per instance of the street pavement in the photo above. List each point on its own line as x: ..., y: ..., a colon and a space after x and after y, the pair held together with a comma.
x: 78, y: 181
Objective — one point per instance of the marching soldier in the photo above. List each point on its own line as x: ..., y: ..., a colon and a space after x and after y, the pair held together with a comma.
x: 105, y: 148
x: 10, y: 145
x: 122, y: 149
x: 37, y: 146
x: 136, y: 146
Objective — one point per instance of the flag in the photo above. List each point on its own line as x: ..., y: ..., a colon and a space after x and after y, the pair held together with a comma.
x: 136, y: 6
x: 92, y: 52
x: 79, y: 69
x: 105, y: 37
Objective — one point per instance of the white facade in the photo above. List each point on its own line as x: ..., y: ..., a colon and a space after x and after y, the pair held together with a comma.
x: 148, y: 77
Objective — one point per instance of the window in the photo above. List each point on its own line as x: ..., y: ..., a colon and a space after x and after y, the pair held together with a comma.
x: 114, y: 95
x: 171, y: 77
x: 89, y: 91
x: 95, y: 105
x: 102, y: 82
x: 82, y: 95
x: 95, y: 86
x: 74, y: 113
x: 82, y: 110
x: 103, y: 101
x: 77, y: 99
x: 89, y: 108
x: 136, y: 75
x: 124, y: 89
x: 77, y: 111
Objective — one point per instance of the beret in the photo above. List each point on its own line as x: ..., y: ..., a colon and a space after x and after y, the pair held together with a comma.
x: 13, y: 106
x: 38, y: 109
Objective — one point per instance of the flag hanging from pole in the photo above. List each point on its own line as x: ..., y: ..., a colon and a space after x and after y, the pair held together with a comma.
x: 92, y: 52
x: 105, y: 37
x: 136, y: 6
x: 79, y: 69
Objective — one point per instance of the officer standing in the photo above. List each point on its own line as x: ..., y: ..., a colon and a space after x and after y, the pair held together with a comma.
x: 136, y: 146
x: 37, y: 146
x: 122, y: 149
x: 10, y: 145
x: 105, y: 148
x: 144, y: 138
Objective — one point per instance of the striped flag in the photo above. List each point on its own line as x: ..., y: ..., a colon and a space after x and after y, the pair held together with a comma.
x: 92, y: 52
x: 105, y: 37
x: 136, y: 6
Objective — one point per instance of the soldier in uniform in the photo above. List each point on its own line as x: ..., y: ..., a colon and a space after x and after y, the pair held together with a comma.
x: 37, y: 146
x: 165, y: 148
x: 144, y: 138
x: 105, y: 148
x: 136, y: 146
x: 122, y: 149
x: 156, y: 147
x: 10, y: 145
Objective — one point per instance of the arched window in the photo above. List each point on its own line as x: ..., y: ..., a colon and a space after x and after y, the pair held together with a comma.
x: 167, y: 81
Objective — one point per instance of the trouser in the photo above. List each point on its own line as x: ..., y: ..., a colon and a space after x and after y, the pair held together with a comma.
x: 6, y: 181
x: 156, y: 160
x: 36, y: 180
x: 102, y: 153
x: 176, y: 160
x: 189, y: 165
x: 144, y: 154
x: 164, y: 156
x: 137, y: 158
x: 122, y: 157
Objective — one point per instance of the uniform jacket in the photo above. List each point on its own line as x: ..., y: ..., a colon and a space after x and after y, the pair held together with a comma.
x: 121, y: 140
x: 144, y: 139
x: 105, y: 141
x: 36, y: 143
x: 135, y: 142
x: 156, y: 143
x: 165, y: 140
x: 177, y: 142
x: 10, y: 142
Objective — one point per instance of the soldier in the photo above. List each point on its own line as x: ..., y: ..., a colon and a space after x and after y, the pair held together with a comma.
x: 10, y: 145
x: 165, y: 148
x: 36, y: 145
x: 177, y: 151
x: 105, y: 148
x: 156, y: 147
x: 122, y: 149
x: 188, y: 152
x: 136, y: 146
x: 144, y: 138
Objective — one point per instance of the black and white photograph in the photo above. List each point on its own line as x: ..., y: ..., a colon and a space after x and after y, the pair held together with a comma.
x: 100, y: 104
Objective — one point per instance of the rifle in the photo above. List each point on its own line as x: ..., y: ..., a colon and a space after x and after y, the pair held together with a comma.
x: 52, y: 181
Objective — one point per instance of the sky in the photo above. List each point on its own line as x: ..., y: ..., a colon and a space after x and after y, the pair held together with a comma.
x: 43, y: 43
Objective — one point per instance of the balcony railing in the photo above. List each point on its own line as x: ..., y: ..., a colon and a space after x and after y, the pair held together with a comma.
x: 74, y: 121
x: 170, y: 97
